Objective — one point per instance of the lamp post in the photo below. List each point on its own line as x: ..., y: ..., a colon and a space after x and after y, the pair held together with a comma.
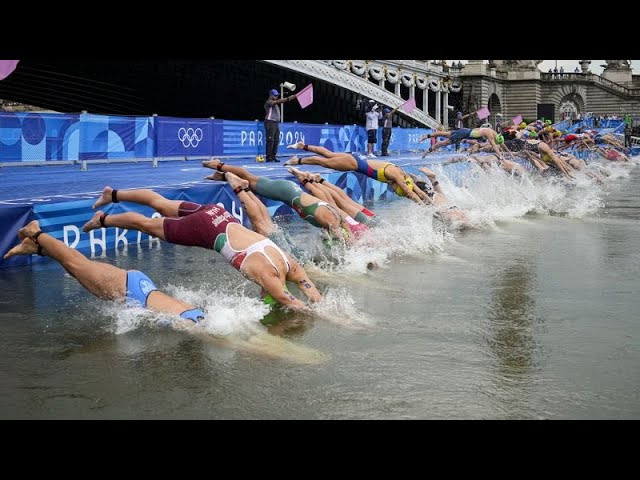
x: 289, y: 86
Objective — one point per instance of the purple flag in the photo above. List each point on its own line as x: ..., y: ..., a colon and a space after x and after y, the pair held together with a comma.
x: 409, y: 105
x: 7, y: 67
x: 517, y: 120
x: 305, y: 96
x: 483, y: 113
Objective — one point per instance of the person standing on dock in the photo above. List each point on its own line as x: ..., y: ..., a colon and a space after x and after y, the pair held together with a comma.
x: 272, y: 123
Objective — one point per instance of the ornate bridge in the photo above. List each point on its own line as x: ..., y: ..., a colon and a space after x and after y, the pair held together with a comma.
x: 368, y: 77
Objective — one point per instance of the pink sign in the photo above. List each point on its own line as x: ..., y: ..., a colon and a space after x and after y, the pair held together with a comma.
x: 305, y: 96
x: 7, y: 67
x: 483, y: 113
x: 409, y: 105
x: 517, y: 120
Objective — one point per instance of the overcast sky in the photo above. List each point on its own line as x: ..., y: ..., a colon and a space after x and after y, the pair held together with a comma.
x: 570, y: 65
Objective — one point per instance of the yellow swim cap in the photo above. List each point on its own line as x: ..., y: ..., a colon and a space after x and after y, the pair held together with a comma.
x: 398, y: 189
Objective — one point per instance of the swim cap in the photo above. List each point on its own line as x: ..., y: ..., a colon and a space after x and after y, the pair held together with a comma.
x: 398, y: 189
x: 386, y: 109
x: 269, y: 300
x: 330, y: 240
x: 458, y: 114
x: 275, y: 92
x: 499, y: 139
x: 523, y: 125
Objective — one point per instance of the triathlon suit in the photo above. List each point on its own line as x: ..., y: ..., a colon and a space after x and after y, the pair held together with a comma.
x: 356, y: 228
x: 364, y: 216
x: 139, y: 287
x: 290, y: 194
x: 362, y: 166
x: 206, y: 226
x: 613, y: 155
x: 460, y: 134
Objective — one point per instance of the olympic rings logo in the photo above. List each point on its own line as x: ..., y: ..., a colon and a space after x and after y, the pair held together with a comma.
x: 190, y: 137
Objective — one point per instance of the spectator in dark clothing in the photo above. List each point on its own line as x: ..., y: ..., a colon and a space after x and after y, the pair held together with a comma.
x: 627, y: 135
x: 387, y: 128
x: 271, y: 123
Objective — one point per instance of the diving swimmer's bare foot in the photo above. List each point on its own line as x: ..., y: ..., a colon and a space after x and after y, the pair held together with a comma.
x: 27, y: 247
x: 213, y: 163
x: 105, y: 198
x: 218, y: 176
x: 297, y: 146
x: 292, y: 161
x: 29, y: 230
x: 235, y: 181
x: 297, y: 173
x: 93, y: 223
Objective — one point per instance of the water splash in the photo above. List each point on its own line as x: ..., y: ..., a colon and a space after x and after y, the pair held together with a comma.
x: 338, y: 307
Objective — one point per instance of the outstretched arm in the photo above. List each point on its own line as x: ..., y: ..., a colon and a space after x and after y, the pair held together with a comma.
x: 284, y: 99
x: 298, y: 275
x: 495, y: 146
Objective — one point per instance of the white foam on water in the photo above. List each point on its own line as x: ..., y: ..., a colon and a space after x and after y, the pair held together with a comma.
x: 227, y: 311
x: 493, y: 195
x: 338, y: 307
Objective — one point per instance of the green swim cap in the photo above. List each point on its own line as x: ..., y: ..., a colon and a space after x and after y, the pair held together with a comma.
x: 499, y: 139
x: 329, y: 240
x: 269, y: 300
